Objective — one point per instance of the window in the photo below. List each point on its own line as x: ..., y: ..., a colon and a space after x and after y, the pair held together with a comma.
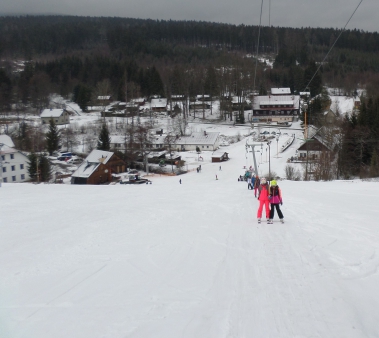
x: 21, y: 166
x: 13, y: 178
x: 5, y: 180
x: 207, y: 146
x: 22, y: 176
x: 13, y: 167
x: 4, y: 169
x: 3, y: 157
x: 12, y: 156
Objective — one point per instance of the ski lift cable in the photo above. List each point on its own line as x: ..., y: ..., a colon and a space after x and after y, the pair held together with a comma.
x: 344, y: 28
x: 256, y: 57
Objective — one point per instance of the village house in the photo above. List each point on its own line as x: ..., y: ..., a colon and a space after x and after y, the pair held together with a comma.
x: 158, y: 105
x: 14, y: 163
x: 98, y: 168
x: 220, y: 156
x: 117, y: 142
x: 239, y: 102
x: 59, y: 116
x: 203, y: 98
x: 199, y: 105
x: 178, y: 98
x: 202, y: 140
x: 276, y: 108
x: 316, y: 142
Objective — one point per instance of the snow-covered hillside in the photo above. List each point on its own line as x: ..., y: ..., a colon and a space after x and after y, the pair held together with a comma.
x: 189, y: 260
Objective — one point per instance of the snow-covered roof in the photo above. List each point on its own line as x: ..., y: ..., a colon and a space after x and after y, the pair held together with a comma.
x: 198, y: 138
x: 5, y: 139
x: 52, y: 112
x: 281, y: 91
x: 158, y: 103
x: 268, y: 100
x: 92, y: 162
x: 105, y: 97
x: 156, y: 154
x: 99, y: 156
x: 281, y: 103
x: 119, y: 139
x: 4, y: 149
x: 159, y: 139
x: 219, y: 153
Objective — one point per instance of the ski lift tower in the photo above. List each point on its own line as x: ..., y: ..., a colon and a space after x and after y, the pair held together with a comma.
x: 250, y: 148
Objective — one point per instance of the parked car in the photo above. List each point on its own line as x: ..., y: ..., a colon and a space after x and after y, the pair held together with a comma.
x: 64, y: 158
x: 75, y: 160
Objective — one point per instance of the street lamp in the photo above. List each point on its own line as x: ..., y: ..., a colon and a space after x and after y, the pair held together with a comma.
x: 261, y: 151
x: 277, y: 145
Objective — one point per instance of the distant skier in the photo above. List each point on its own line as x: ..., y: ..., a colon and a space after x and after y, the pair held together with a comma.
x: 256, y: 185
x: 263, y: 193
x: 220, y: 168
x: 275, y: 196
x: 216, y: 177
x: 180, y: 181
x: 249, y: 186
x: 252, y: 182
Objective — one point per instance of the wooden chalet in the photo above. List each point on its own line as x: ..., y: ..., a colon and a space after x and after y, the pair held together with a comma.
x: 220, y: 156
x: 98, y: 168
x: 314, y: 146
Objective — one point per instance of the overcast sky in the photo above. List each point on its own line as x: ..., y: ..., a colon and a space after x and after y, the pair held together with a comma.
x: 284, y: 13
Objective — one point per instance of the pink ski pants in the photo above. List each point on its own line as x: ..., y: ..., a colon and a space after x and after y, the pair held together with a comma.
x: 260, y: 208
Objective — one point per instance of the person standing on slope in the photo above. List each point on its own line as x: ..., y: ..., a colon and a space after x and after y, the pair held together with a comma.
x: 249, y: 186
x: 275, y: 195
x: 252, y: 182
x: 256, y: 185
x: 263, y: 194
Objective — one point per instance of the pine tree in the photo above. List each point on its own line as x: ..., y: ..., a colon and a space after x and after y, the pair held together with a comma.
x: 52, y: 137
x: 104, y: 141
x: 44, y: 168
x: 374, y: 165
x: 32, y: 166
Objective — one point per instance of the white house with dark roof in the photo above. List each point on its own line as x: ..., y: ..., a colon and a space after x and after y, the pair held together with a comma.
x: 59, y: 116
x: 203, y: 140
x: 14, y: 165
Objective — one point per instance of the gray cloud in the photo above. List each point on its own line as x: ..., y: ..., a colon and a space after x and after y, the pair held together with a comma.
x: 288, y: 13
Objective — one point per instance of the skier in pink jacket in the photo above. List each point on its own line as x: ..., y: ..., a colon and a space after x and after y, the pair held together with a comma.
x: 263, y: 197
x: 275, y: 196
